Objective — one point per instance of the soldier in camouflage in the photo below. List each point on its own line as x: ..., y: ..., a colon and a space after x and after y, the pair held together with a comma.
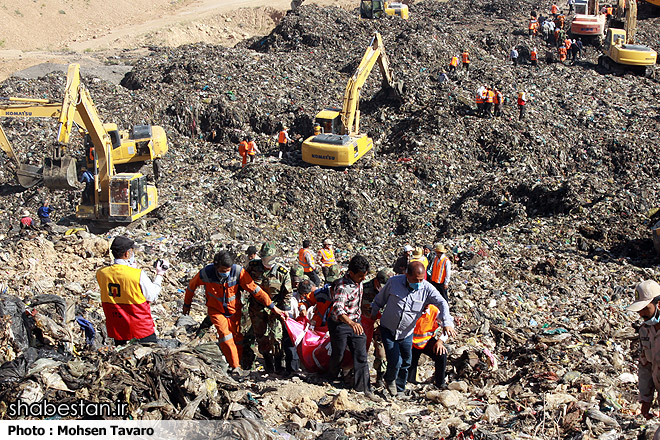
x: 369, y: 291
x: 272, y: 338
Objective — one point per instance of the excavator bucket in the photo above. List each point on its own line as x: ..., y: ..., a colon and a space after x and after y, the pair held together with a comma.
x: 29, y: 175
x: 60, y: 173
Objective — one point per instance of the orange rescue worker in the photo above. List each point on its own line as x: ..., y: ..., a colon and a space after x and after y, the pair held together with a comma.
x: 465, y: 56
x: 428, y: 340
x: 562, y: 53
x: 440, y: 270
x: 283, y: 140
x: 223, y: 281
x: 560, y: 21
x: 252, y: 149
x: 567, y: 43
x: 554, y: 9
x: 306, y: 260
x: 499, y: 100
x: 609, y: 11
x: 453, y: 64
x: 533, y: 57
x: 533, y: 26
x: 242, y: 150
x: 126, y: 294
x: 317, y: 129
x: 327, y: 257
x: 480, y: 99
x: 490, y: 99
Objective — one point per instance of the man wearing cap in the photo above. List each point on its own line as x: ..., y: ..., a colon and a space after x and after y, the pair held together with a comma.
x: 439, y: 271
x: 369, y: 291
x: 273, y: 341
x: 327, y: 257
x: 306, y: 260
x: 126, y: 294
x: 646, y: 305
x: 404, y: 298
x: 401, y: 263
x: 223, y: 281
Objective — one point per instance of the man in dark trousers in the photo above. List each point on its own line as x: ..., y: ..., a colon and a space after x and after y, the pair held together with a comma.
x: 344, y: 325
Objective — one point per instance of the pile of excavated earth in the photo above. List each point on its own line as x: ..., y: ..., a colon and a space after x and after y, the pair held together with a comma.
x: 549, y: 220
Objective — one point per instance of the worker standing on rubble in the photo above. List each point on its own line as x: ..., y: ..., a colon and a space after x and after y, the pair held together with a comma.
x: 479, y: 99
x: 439, y: 271
x: 43, y: 213
x: 571, y: 6
x: 554, y: 9
x: 465, y: 58
x: 647, y: 294
x: 223, y: 281
x: 429, y: 340
x: 283, y: 140
x: 401, y: 262
x: 252, y: 149
x: 273, y: 341
x: 126, y: 294
x: 522, y: 103
x: 369, y: 291
x: 534, y: 56
x: 532, y: 27
x: 404, y: 298
x: 242, y: 150
x: 488, y: 101
x: 88, y: 193
x: 453, y: 64
x: 327, y: 257
x: 306, y: 260
x: 514, y: 56
x: 575, y: 51
x: 499, y: 101
x: 344, y: 325
x: 562, y: 53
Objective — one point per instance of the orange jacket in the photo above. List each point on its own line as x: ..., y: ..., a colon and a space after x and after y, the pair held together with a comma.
x: 425, y: 327
x: 554, y: 9
x: 609, y: 10
x: 223, y: 295
x: 242, y: 148
x: 281, y: 138
x: 466, y: 57
x: 567, y: 43
x: 499, y: 98
x: 533, y: 55
x: 439, y: 269
x: 251, y: 148
x: 327, y: 257
x: 302, y: 259
x: 562, y: 53
x: 490, y: 96
x: 522, y: 99
x: 532, y: 24
x: 454, y: 61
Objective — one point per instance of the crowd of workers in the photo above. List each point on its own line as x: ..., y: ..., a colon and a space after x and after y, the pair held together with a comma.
x: 403, y: 311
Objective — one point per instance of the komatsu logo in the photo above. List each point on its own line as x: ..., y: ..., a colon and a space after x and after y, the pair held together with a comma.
x: 326, y: 157
x: 23, y: 113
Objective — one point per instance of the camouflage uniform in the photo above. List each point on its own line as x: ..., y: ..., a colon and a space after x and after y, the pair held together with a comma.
x: 268, y: 329
x: 371, y: 328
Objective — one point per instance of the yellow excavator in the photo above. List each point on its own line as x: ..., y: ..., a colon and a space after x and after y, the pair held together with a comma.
x: 379, y: 8
x: 621, y: 54
x: 10, y: 107
x: 116, y: 197
x: 340, y: 144
x: 142, y: 143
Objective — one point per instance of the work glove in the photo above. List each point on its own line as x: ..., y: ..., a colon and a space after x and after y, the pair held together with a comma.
x: 161, y: 266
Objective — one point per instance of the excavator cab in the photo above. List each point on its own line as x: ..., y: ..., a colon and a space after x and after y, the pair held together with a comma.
x: 330, y: 120
x: 130, y: 198
x: 379, y: 8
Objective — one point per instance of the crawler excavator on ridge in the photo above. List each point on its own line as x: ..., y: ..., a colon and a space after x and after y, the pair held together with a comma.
x: 341, y: 144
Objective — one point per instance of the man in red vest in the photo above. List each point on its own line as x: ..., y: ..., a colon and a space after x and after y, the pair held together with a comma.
x: 126, y: 294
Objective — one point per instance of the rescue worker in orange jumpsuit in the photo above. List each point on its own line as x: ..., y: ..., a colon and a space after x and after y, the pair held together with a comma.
x: 306, y: 260
x: 533, y: 26
x: 283, y: 140
x: 554, y: 9
x: 562, y: 53
x: 223, y: 281
x: 242, y: 150
x: 319, y: 298
x: 429, y: 341
x: 453, y: 64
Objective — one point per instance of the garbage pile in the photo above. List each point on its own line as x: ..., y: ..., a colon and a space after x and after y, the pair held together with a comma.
x: 548, y: 220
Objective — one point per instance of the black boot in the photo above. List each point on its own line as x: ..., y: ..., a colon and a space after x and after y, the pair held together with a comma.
x: 269, y: 363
